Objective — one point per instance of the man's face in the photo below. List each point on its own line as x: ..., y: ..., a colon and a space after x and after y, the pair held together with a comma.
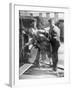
x: 61, y: 24
x: 52, y: 22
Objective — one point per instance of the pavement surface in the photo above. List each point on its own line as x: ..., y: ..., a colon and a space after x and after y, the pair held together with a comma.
x: 29, y: 71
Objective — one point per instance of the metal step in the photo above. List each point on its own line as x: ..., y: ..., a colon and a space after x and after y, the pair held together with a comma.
x: 24, y: 68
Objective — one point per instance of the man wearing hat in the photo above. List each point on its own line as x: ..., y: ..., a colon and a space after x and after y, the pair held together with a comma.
x: 55, y: 42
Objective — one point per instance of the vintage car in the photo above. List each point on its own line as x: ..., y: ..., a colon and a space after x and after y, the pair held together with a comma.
x: 24, y: 25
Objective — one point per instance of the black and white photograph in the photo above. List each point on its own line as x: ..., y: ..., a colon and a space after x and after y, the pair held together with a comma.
x: 41, y: 44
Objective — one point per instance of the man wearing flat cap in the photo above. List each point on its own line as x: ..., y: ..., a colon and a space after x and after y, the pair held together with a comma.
x: 55, y: 42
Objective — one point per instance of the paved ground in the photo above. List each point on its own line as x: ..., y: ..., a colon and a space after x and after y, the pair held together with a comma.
x: 41, y: 72
x: 44, y: 71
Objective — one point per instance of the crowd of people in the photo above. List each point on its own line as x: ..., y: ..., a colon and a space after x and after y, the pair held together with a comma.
x: 45, y: 40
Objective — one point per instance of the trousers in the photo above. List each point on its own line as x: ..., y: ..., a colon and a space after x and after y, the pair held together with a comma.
x: 55, y: 45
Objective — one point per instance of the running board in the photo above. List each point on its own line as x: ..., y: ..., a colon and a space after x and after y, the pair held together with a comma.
x: 24, y: 68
